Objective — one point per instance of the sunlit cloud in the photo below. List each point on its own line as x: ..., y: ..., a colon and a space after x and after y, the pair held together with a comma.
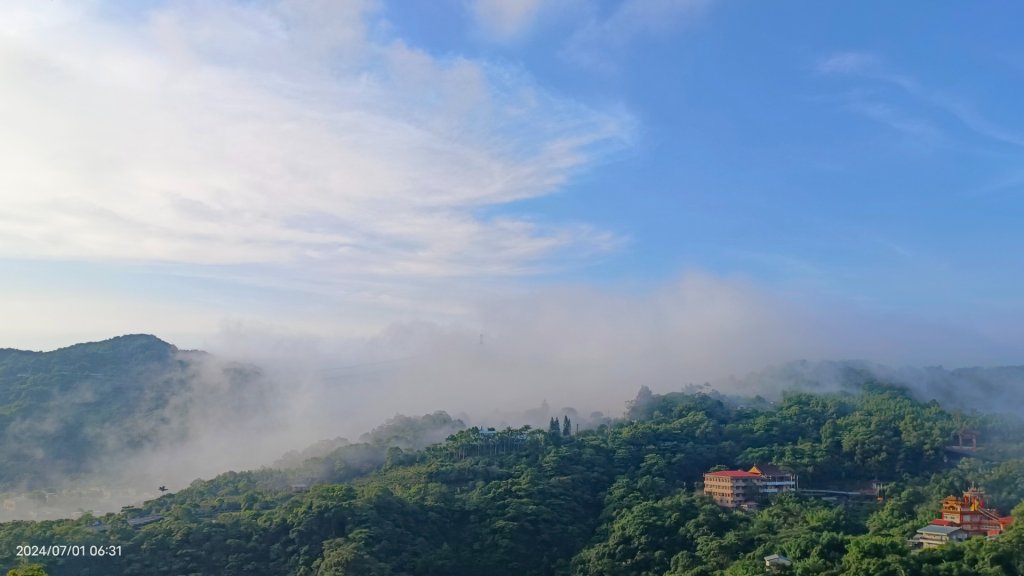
x: 290, y: 133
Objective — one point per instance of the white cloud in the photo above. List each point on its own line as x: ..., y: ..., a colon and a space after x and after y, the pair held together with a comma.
x: 505, y: 20
x: 284, y: 134
x: 605, y: 36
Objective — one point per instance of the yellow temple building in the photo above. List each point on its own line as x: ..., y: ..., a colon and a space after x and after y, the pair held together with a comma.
x: 970, y: 514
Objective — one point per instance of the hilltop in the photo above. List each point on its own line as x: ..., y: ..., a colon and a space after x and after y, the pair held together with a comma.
x: 66, y: 413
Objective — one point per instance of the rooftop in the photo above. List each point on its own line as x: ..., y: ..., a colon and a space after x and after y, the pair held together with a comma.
x: 143, y: 520
x: 936, y: 529
x: 769, y: 470
x: 777, y: 560
x: 733, y: 474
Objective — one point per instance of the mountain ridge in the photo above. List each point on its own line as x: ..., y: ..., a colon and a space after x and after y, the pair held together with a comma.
x: 66, y: 412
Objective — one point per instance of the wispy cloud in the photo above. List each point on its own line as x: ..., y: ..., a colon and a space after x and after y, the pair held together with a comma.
x: 290, y: 134
x: 505, y: 20
x: 602, y: 39
x: 871, y: 67
x: 974, y: 120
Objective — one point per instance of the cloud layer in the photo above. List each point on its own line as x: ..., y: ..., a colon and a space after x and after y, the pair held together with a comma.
x: 290, y: 133
x: 585, y: 347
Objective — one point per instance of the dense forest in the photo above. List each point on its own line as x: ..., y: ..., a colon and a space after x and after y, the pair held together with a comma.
x: 65, y: 414
x: 622, y: 499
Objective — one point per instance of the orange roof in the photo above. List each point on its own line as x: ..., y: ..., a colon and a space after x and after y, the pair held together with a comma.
x: 733, y: 474
x: 943, y: 522
x: 768, y: 470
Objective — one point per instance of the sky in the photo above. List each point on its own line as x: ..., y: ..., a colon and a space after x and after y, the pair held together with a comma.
x: 799, y: 180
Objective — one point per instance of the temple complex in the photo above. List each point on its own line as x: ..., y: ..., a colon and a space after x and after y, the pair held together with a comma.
x: 968, y: 515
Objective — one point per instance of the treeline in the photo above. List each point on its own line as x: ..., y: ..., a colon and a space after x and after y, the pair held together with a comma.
x: 620, y: 500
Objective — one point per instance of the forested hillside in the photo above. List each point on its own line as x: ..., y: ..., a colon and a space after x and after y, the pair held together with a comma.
x: 619, y: 500
x: 991, y: 389
x: 68, y: 413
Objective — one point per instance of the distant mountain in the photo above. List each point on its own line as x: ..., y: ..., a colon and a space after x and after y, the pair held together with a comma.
x: 997, y: 389
x: 71, y: 412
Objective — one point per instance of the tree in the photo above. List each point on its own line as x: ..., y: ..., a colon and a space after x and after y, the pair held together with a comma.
x: 566, y: 427
x: 347, y: 558
x: 877, y: 556
x: 553, y: 427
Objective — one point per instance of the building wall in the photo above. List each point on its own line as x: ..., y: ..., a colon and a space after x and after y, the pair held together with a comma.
x: 729, y: 491
x: 927, y: 540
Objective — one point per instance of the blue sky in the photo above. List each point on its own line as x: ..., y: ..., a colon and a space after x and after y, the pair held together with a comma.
x: 869, y: 153
x: 334, y: 168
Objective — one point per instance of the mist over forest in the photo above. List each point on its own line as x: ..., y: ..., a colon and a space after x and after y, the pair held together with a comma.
x: 511, y: 287
x: 108, y: 422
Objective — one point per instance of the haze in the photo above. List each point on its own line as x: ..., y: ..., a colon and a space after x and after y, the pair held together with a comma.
x: 477, y: 206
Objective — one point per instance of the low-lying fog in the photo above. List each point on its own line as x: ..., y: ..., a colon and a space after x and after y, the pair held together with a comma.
x: 529, y: 359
